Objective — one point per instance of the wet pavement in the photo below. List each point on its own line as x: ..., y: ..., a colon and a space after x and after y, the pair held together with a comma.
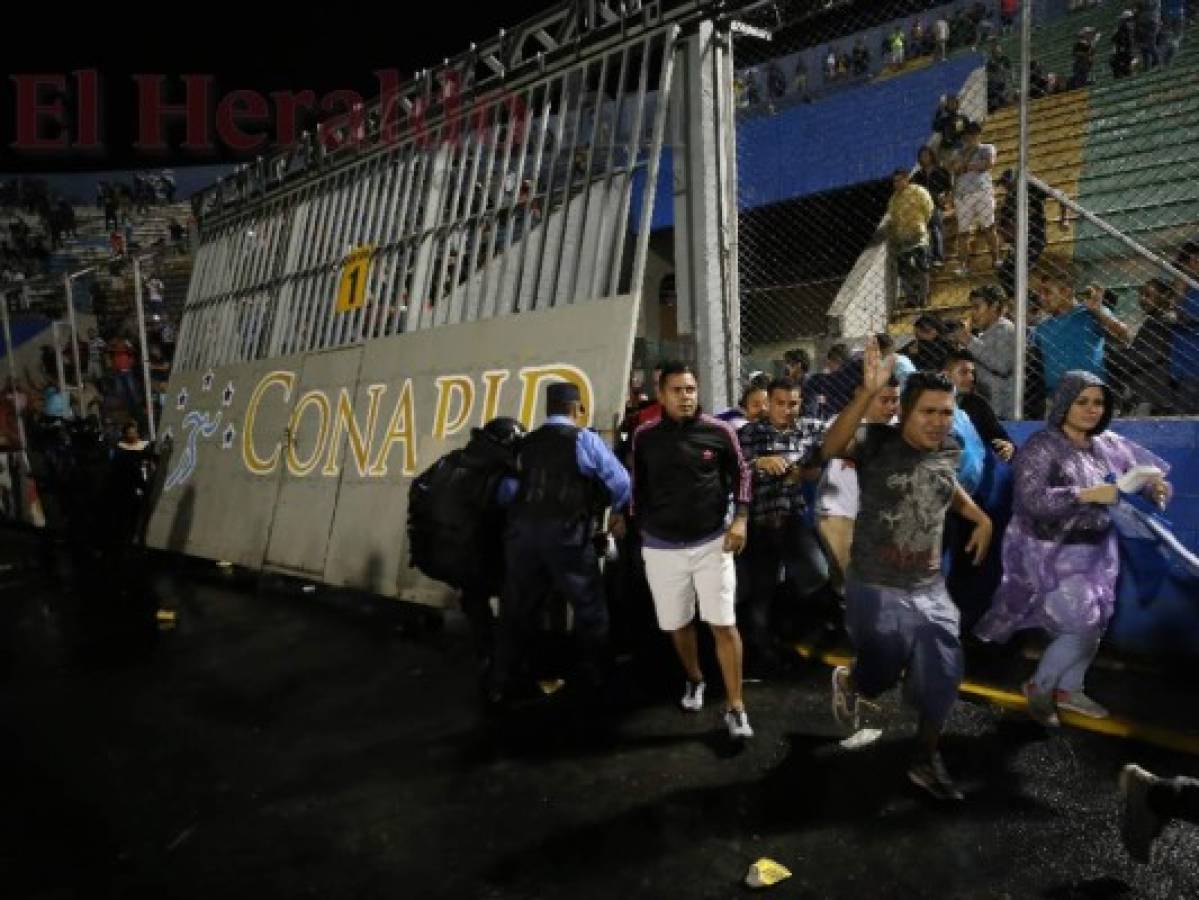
x: 275, y: 743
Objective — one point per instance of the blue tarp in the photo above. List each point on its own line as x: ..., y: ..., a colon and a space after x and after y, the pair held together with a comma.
x: 24, y: 328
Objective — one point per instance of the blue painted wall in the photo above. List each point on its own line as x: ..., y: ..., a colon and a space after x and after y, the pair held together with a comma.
x: 817, y: 147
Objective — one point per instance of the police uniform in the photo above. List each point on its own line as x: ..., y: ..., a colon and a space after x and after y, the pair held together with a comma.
x: 563, y: 474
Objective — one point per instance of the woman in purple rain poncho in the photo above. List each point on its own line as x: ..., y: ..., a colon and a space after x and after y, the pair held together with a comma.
x: 1060, y: 553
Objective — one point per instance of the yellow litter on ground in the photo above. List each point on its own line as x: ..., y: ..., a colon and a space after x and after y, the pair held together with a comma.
x: 766, y: 873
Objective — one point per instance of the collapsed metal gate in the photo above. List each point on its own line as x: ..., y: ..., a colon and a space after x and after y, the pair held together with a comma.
x: 431, y: 261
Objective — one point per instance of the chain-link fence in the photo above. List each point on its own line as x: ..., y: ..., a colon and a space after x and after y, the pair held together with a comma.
x: 1113, y: 202
x: 92, y: 342
x: 878, y: 154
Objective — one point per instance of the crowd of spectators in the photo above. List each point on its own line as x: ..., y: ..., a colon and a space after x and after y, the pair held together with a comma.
x: 1151, y: 368
x: 109, y: 389
x: 1144, y: 37
x: 969, y: 26
x: 38, y: 221
x: 954, y: 180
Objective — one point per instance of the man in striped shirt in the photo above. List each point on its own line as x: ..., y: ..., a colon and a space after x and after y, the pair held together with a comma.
x: 783, y: 450
x: 691, y: 496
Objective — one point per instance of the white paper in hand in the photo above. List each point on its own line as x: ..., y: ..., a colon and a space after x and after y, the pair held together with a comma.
x: 1134, y: 480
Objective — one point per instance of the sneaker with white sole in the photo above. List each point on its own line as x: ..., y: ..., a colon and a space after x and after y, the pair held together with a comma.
x: 1078, y: 702
x: 1139, y: 824
x: 693, y: 696
x: 1040, y: 705
x: 738, y: 724
x: 929, y: 772
x: 845, y: 700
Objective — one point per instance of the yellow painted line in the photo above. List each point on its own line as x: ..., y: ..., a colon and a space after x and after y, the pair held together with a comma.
x: 828, y: 657
x: 1113, y: 726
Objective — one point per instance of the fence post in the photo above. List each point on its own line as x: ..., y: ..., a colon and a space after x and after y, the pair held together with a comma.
x: 10, y: 354
x: 143, y: 348
x: 67, y: 280
x: 1022, y: 214
x: 60, y: 370
x: 704, y: 213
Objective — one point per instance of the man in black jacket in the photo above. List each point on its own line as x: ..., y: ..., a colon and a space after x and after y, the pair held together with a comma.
x: 688, y: 473
x: 950, y: 123
x: 930, y: 348
x: 959, y: 366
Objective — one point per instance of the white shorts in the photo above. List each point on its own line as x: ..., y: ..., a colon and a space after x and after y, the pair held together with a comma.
x: 679, y: 579
x: 975, y: 210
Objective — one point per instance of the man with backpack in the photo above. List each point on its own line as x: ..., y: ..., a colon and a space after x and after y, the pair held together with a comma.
x: 456, y: 523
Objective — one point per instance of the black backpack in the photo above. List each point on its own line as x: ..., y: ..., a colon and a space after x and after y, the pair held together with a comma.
x: 454, y: 523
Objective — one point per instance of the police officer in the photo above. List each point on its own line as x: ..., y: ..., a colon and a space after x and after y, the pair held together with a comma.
x: 563, y: 472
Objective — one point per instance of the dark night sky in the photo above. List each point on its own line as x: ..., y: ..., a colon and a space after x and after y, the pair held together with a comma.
x: 240, y: 53
x: 322, y: 48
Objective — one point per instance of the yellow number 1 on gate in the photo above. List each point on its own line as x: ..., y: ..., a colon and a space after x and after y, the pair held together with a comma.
x: 351, y: 288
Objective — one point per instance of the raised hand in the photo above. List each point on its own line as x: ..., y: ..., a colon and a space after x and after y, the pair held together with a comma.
x: 876, y: 369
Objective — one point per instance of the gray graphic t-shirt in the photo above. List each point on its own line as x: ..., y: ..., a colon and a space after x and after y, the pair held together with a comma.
x: 905, y: 494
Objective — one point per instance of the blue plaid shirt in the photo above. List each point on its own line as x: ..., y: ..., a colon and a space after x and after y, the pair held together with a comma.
x: 775, y: 497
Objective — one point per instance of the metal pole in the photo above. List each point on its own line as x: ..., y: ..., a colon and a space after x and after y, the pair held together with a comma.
x: 11, y: 354
x: 1022, y: 214
x: 62, y: 375
x: 726, y: 206
x: 66, y: 281
x: 145, y: 352
x: 1113, y: 232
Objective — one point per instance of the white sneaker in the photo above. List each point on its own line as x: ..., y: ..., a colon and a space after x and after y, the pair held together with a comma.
x: 738, y: 725
x: 693, y: 696
x: 1080, y: 703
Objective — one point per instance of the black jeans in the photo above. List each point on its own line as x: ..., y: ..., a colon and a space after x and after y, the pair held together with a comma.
x: 936, y: 235
x: 541, y: 556
x: 476, y: 606
x: 790, y: 548
x: 912, y: 267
